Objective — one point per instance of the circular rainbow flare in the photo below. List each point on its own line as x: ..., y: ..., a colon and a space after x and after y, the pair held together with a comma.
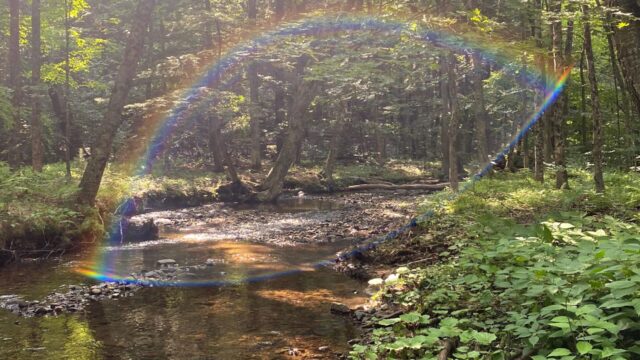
x: 160, y: 126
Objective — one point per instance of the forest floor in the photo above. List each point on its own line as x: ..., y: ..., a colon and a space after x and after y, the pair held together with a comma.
x: 510, y: 269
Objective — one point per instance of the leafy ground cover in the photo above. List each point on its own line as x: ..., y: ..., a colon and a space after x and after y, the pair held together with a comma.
x: 528, y: 272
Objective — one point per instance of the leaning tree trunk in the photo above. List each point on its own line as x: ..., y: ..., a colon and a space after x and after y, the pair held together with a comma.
x: 598, y: 138
x: 273, y: 184
x: 101, y: 150
x: 37, y: 148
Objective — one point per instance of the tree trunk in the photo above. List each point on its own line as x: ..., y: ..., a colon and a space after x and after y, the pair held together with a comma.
x: 207, y: 41
x: 334, y: 149
x: 479, y: 109
x: 273, y: 184
x: 37, y: 148
x: 598, y: 137
x: 59, y: 106
x: 13, y: 61
x: 558, y: 115
x: 444, y: 117
x: 254, y: 113
x: 583, y: 104
x: 539, y: 132
x: 254, y: 85
x: 627, y: 40
x: 67, y: 91
x: 625, y: 106
x: 279, y: 108
x: 101, y: 150
x: 453, y: 122
x: 215, y: 143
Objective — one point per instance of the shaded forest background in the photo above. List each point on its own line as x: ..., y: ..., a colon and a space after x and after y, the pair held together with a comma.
x: 86, y: 83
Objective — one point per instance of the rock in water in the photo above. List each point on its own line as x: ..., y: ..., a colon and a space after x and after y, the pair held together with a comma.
x: 338, y: 308
x: 166, y: 262
x: 136, y: 230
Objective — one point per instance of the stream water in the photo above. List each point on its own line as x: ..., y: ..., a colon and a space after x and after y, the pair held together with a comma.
x: 282, y: 317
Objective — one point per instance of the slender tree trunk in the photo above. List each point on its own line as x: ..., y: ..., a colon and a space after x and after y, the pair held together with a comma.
x: 279, y: 108
x: 14, y: 82
x: 583, y: 104
x: 444, y: 117
x: 207, y: 41
x: 334, y: 149
x: 539, y: 131
x: 254, y: 85
x: 37, y: 148
x: 454, y: 122
x: 562, y: 177
x: 479, y: 109
x: 67, y: 91
x: 215, y: 142
x: 598, y: 137
x: 90, y: 183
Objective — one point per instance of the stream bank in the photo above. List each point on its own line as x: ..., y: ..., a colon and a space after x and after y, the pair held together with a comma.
x: 286, y: 314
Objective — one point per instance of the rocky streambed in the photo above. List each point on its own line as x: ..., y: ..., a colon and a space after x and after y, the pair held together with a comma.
x: 222, y: 279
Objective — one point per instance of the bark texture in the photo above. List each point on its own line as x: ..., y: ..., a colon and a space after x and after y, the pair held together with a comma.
x: 37, y: 147
x: 101, y: 150
x: 598, y: 137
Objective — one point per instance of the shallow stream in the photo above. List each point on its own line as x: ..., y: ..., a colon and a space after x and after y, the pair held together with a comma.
x: 285, y: 316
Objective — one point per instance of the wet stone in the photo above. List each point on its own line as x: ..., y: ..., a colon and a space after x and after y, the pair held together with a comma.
x: 338, y: 308
x: 166, y: 262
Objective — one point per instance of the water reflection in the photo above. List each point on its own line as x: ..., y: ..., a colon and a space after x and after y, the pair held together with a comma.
x: 252, y: 321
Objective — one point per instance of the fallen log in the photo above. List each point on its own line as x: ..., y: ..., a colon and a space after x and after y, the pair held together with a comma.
x: 430, y: 187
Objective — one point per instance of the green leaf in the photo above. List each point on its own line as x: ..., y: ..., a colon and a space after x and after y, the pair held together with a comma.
x: 609, y: 351
x: 534, y: 340
x: 412, y: 317
x: 560, y: 352
x: 484, y: 338
x: 584, y: 347
x: 389, y: 322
